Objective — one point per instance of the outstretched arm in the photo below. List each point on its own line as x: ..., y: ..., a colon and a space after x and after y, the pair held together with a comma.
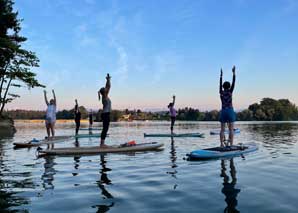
x: 174, y: 98
x: 220, y: 82
x: 108, y: 84
x: 45, y: 97
x: 54, y: 97
x: 234, y: 78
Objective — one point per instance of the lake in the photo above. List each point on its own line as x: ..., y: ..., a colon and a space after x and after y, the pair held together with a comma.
x: 163, y: 181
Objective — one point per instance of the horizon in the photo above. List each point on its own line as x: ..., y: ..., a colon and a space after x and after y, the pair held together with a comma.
x: 152, y: 52
x: 153, y: 110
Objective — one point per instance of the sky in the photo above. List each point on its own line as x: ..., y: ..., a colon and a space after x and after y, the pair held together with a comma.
x: 154, y: 49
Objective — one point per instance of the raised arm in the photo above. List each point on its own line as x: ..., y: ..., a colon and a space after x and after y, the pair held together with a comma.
x: 174, y: 98
x: 54, y: 97
x: 220, y: 82
x: 98, y: 93
x: 108, y: 84
x: 45, y: 97
x: 234, y: 78
x: 76, y: 105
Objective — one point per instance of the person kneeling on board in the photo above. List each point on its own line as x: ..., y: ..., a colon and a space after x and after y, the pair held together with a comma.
x: 227, y: 114
x: 107, y: 107
x: 77, y: 116
x: 50, y: 114
x: 173, y: 114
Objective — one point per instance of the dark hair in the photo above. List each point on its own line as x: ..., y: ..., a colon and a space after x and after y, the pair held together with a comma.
x: 102, y: 90
x: 226, y: 85
x: 170, y: 105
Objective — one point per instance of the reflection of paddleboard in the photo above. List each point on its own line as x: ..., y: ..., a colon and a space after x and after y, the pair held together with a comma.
x: 222, y: 152
x: 217, y: 132
x: 36, y: 142
x: 98, y: 150
x: 90, y: 129
x: 200, y: 135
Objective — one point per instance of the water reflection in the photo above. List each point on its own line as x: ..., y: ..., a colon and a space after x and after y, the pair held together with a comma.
x: 173, y: 159
x: 276, y: 137
x: 104, y: 180
x: 9, y: 200
x: 229, y: 183
x: 49, y: 173
x: 285, y: 133
x: 76, y: 158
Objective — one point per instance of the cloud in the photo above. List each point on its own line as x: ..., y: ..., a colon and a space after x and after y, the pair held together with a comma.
x: 83, y: 36
x: 164, y: 64
x: 122, y: 70
x: 52, y: 79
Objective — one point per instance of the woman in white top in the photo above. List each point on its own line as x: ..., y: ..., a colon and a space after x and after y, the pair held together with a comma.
x: 106, y: 110
x: 50, y: 114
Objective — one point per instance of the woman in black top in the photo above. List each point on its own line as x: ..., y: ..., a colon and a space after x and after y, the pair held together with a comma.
x: 90, y: 119
x: 77, y: 114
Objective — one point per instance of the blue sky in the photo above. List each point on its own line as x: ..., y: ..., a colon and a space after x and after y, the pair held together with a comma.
x: 154, y: 49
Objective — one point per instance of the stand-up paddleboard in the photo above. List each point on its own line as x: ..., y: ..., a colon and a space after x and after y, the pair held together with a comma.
x: 87, y: 136
x: 56, y: 139
x: 97, y: 150
x: 36, y: 142
x: 222, y: 152
x: 89, y: 129
x: 217, y: 132
x: 200, y: 135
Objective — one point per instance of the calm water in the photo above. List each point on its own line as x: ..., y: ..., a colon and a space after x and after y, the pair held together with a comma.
x: 263, y: 181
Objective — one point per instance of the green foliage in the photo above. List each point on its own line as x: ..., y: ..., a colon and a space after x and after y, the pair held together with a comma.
x: 273, y: 110
x: 15, y: 63
x: 69, y: 114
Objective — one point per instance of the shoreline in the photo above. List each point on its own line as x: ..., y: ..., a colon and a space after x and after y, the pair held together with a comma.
x: 87, y: 121
x: 57, y: 121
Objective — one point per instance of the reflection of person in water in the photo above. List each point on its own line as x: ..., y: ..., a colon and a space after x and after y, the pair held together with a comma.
x: 49, y: 172
x: 229, y: 189
x: 173, y: 159
x: 104, y: 180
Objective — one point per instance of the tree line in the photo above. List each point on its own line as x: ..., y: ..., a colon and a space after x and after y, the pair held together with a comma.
x: 267, y: 110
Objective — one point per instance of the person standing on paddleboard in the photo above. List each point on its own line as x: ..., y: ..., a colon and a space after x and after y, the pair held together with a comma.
x: 50, y: 114
x: 173, y: 113
x: 107, y: 107
x: 90, y: 119
x: 227, y: 114
x: 77, y: 116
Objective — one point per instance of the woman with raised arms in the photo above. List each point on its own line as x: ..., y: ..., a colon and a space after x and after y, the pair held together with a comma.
x: 50, y: 114
x: 227, y: 114
x: 106, y: 110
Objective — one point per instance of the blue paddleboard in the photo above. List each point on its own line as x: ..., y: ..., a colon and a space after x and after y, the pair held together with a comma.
x: 222, y: 152
x: 217, y: 132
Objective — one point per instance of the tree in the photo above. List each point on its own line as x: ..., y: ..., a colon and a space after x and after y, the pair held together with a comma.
x: 15, y: 62
x: 273, y: 110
